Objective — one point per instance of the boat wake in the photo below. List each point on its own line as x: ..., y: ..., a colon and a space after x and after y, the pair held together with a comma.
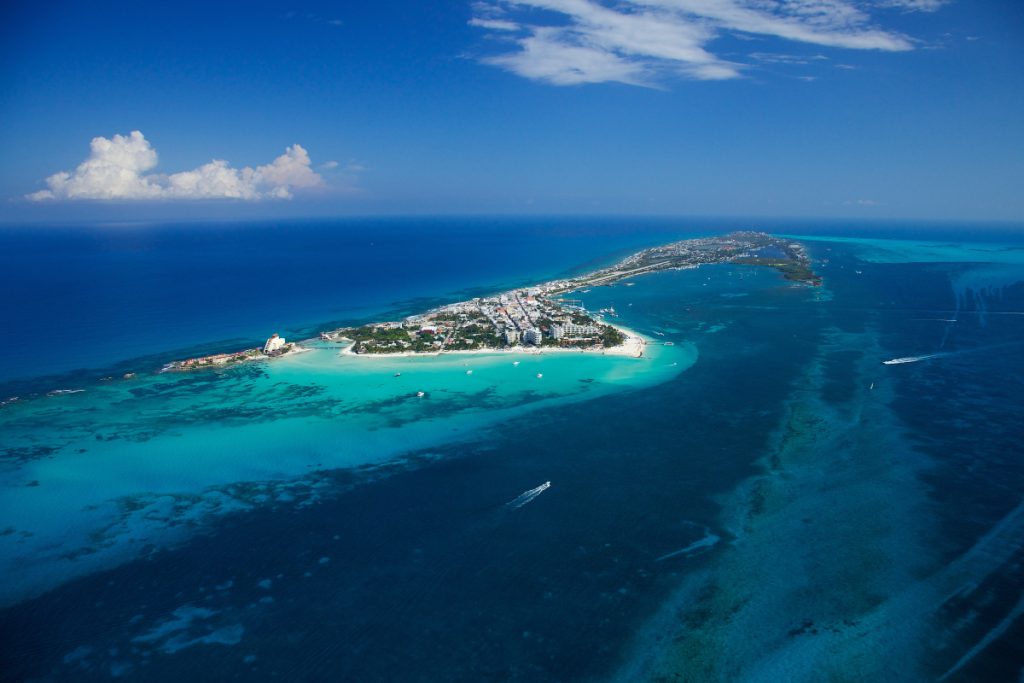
x: 942, y: 354
x: 528, y: 496
x: 912, y: 359
x: 707, y: 541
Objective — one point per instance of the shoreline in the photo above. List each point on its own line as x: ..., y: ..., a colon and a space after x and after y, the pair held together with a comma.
x: 645, y: 262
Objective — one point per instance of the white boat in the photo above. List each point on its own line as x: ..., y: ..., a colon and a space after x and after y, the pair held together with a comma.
x: 398, y: 374
x: 420, y: 394
x: 64, y: 392
x: 900, y: 361
x: 515, y: 362
x: 913, y: 359
x: 539, y: 375
x: 469, y: 372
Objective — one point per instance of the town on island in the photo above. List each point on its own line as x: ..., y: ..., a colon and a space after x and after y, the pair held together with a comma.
x: 540, y: 317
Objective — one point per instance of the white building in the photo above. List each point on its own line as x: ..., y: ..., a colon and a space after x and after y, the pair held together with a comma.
x: 532, y: 336
x: 275, y: 343
x: 511, y: 336
x: 557, y: 332
x: 574, y: 330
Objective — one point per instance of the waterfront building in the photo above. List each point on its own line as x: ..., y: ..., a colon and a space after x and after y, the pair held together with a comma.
x: 574, y: 330
x: 557, y: 332
x: 511, y: 336
x: 275, y: 343
x: 532, y: 336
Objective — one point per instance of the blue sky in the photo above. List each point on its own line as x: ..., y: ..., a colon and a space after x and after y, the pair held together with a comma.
x: 812, y: 108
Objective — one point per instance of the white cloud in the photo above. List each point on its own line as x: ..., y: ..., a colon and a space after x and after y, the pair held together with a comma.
x: 494, y: 24
x: 118, y: 168
x: 914, y: 5
x: 640, y: 42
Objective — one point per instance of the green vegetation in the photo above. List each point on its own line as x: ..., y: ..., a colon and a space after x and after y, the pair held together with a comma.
x: 377, y: 334
x: 795, y: 270
x: 379, y: 339
x: 581, y: 318
x: 611, y: 336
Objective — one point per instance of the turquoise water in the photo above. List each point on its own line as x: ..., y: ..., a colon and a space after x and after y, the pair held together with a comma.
x: 893, y: 250
x: 761, y: 500
x: 139, y: 459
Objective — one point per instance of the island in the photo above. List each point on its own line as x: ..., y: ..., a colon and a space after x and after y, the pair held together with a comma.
x: 541, y: 317
x: 274, y: 347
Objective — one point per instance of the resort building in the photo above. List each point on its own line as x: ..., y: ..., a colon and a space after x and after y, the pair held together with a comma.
x: 275, y: 343
x: 511, y: 336
x: 574, y: 330
x: 532, y: 336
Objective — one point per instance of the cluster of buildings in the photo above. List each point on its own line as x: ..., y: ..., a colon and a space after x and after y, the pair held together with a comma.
x: 527, y: 317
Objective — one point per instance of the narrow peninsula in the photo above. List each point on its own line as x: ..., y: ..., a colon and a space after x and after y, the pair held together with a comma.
x: 542, y: 317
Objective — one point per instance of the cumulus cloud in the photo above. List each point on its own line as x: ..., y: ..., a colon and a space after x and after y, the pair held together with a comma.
x: 640, y: 42
x: 119, y: 168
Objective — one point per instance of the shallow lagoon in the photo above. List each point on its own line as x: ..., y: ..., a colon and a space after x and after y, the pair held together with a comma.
x: 93, y: 477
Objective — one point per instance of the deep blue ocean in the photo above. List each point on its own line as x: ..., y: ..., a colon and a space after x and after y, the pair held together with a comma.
x: 787, y: 507
x: 88, y: 297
